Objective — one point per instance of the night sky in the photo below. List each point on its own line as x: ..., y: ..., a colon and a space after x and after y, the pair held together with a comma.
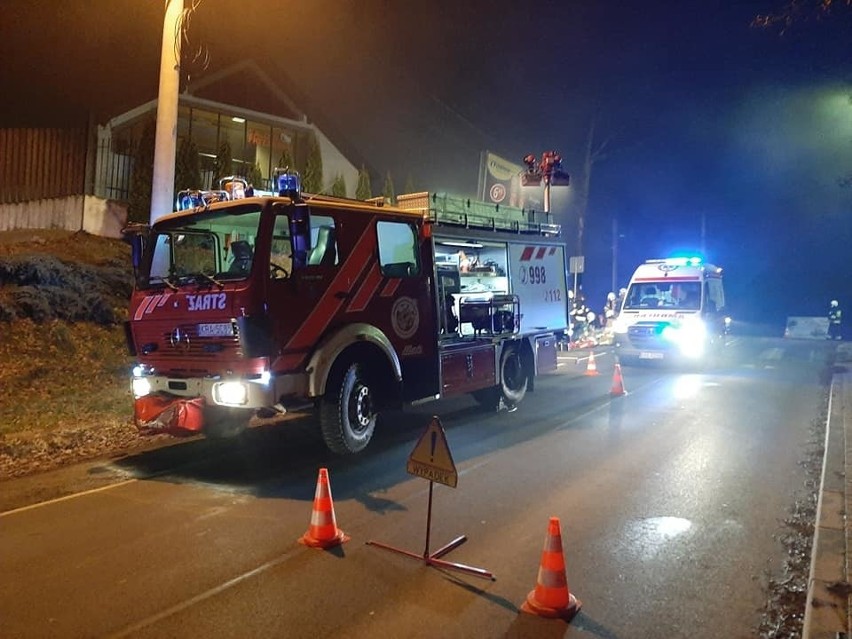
x: 704, y: 117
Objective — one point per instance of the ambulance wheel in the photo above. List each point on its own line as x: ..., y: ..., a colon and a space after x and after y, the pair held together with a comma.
x: 514, y: 378
x: 224, y: 423
x: 347, y: 412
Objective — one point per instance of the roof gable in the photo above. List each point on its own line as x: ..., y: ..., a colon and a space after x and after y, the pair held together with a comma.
x: 247, y: 85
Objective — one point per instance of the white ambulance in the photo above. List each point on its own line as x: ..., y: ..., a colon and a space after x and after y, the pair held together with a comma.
x: 674, y: 309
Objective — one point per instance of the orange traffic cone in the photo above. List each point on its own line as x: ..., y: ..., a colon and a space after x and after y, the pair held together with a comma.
x: 323, y: 532
x: 617, y: 382
x: 592, y: 368
x: 551, y: 597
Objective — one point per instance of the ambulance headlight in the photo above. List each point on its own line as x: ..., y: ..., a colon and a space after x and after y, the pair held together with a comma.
x: 620, y: 324
x: 141, y: 386
x: 689, y: 336
x: 230, y: 393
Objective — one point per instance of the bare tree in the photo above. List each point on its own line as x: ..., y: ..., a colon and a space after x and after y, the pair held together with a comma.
x: 795, y: 11
x: 798, y: 11
x: 595, y: 151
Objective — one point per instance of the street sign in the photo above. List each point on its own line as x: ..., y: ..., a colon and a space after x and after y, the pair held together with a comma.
x: 576, y: 264
x: 431, y: 458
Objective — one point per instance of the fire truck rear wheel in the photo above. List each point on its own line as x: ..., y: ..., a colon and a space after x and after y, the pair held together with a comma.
x: 514, y: 376
x: 348, y: 412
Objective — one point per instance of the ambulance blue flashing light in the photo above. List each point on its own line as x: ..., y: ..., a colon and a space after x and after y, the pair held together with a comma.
x: 678, y: 261
x: 685, y: 261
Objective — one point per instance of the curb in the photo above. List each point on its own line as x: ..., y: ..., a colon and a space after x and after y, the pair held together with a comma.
x: 829, y: 596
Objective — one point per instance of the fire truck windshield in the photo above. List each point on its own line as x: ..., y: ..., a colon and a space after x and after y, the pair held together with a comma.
x: 209, y: 247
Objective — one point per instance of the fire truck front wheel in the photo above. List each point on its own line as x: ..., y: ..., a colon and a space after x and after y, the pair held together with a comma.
x: 347, y: 412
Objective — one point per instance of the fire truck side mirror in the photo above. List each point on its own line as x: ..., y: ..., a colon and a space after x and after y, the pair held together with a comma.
x: 137, y: 244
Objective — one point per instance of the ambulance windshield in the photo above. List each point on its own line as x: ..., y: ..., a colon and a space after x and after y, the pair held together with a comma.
x: 663, y: 294
x: 207, y: 248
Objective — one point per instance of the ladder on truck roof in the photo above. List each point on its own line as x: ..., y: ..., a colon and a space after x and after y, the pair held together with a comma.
x: 442, y: 208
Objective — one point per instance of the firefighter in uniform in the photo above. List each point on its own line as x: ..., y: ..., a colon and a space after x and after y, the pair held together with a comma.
x: 580, y: 313
x: 609, y: 310
x: 834, y: 318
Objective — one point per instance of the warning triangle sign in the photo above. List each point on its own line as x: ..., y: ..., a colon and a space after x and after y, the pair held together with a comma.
x: 431, y: 457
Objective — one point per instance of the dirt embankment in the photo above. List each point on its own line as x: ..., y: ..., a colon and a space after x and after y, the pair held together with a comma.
x: 64, y: 393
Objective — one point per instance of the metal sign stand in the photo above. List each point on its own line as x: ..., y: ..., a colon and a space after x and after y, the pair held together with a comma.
x: 431, y: 459
x: 434, y: 559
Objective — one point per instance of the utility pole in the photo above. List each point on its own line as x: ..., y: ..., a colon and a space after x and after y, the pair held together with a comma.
x: 165, y: 143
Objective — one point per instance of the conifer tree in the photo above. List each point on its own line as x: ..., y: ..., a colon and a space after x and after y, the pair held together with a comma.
x: 364, y: 191
x: 312, y: 180
x: 187, y: 166
x: 285, y: 161
x: 142, y: 179
x: 255, y: 175
x: 338, y: 187
x: 409, y: 185
x: 224, y: 166
x: 388, y: 192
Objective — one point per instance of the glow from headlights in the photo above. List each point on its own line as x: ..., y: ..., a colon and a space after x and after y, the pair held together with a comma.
x: 690, y: 336
x: 620, y: 325
x: 231, y: 393
x: 140, y: 385
x: 265, y: 376
x: 687, y: 386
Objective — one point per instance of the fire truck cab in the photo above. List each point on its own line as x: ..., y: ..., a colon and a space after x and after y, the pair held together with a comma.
x: 287, y: 303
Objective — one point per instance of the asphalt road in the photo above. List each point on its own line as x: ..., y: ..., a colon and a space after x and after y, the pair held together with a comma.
x: 670, y: 500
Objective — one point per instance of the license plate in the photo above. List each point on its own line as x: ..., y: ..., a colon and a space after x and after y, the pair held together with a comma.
x: 650, y: 355
x: 215, y: 330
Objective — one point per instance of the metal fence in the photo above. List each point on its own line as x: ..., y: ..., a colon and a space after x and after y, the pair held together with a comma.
x: 113, y: 172
x: 42, y: 163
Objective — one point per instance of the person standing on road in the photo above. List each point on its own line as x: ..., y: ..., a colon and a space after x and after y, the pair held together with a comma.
x: 834, y: 319
x: 609, y: 311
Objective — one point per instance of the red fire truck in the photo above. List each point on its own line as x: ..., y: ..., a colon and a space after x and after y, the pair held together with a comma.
x: 285, y: 303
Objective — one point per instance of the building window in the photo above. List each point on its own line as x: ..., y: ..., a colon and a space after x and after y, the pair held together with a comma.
x: 234, y: 133
x: 205, y: 134
x: 258, y: 154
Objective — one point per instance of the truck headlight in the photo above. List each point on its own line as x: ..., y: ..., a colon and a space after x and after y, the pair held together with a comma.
x: 141, y: 386
x: 230, y: 393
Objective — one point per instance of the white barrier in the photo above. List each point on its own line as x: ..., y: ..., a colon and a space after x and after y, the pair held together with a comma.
x: 806, y: 327
x: 94, y: 215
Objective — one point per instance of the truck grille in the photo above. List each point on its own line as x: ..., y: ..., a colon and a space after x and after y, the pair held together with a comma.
x: 182, y: 342
x: 647, y: 337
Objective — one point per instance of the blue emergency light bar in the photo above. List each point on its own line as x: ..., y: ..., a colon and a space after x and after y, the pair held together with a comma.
x: 677, y: 261
x: 289, y: 184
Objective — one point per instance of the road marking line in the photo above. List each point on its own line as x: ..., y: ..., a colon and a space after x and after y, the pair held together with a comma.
x: 66, y: 498
x: 168, y: 612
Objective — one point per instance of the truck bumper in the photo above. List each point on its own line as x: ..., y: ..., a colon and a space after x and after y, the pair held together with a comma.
x: 235, y: 392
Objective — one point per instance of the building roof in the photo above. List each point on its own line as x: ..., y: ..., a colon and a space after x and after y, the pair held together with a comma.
x: 247, y: 89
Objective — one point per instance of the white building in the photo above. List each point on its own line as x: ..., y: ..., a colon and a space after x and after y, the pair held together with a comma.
x: 240, y: 105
